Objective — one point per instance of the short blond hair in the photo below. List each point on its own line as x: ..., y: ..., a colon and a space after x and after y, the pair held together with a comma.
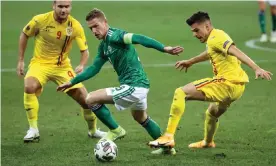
x: 95, y: 13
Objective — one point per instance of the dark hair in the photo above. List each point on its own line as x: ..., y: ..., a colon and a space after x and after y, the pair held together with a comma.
x: 198, y: 18
x: 95, y: 13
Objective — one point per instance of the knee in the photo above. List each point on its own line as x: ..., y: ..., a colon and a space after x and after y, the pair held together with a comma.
x: 31, y: 87
x: 212, y: 110
x: 82, y: 102
x: 216, y: 111
x: 90, y: 99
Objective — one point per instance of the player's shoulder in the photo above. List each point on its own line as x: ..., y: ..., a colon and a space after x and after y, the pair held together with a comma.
x: 216, y: 36
x: 114, y: 31
x: 42, y: 17
x: 220, y: 33
x: 75, y: 22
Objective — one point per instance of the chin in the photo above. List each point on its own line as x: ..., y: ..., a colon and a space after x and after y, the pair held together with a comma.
x: 63, y: 17
x: 202, y: 41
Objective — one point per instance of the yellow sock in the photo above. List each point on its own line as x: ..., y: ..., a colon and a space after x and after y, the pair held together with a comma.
x: 177, y: 109
x: 31, y: 106
x: 91, y: 120
x: 210, y: 128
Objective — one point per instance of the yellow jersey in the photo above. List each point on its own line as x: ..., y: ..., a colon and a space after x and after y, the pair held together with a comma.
x: 53, y: 40
x: 224, y: 65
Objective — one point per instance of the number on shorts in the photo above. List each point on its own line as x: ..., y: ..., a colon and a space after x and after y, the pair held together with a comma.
x: 70, y: 74
x: 119, y: 88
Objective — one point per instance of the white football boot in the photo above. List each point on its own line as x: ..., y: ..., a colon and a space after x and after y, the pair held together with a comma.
x: 263, y: 38
x: 273, y: 37
x: 32, y: 135
x: 98, y: 134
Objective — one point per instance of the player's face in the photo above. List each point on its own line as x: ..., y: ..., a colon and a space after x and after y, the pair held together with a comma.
x: 99, y: 27
x: 200, y: 31
x: 62, y: 9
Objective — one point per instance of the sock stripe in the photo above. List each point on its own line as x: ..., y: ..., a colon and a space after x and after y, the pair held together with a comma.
x: 95, y: 107
x: 145, y: 122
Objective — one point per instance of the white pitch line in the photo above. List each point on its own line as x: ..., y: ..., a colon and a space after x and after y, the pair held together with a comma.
x: 150, y: 65
x: 252, y: 44
x: 249, y: 43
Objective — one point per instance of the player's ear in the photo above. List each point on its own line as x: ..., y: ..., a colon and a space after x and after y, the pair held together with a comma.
x: 207, y: 25
x: 54, y: 4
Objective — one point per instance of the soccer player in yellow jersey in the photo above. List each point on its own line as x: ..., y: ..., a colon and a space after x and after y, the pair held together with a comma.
x: 54, y: 33
x: 224, y: 88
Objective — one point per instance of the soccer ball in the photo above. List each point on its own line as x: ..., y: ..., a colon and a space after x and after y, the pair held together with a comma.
x: 105, y: 150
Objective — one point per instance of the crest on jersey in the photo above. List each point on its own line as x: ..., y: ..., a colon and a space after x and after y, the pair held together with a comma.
x: 69, y: 31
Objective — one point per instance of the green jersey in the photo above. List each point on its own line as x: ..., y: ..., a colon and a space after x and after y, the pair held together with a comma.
x: 124, y: 59
x: 117, y: 48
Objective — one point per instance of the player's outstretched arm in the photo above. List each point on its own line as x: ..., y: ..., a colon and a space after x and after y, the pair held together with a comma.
x: 82, y: 44
x: 188, y: 63
x: 259, y: 72
x: 23, y: 40
x: 89, y: 72
x: 148, y: 42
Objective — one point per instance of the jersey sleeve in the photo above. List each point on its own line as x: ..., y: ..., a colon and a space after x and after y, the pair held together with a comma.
x: 32, y: 27
x: 145, y: 41
x: 221, y: 42
x: 93, y: 69
x: 80, y: 38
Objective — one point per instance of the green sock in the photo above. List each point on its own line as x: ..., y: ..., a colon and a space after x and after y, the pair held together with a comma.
x: 152, y: 128
x: 273, y: 22
x: 104, y: 115
x: 262, y: 21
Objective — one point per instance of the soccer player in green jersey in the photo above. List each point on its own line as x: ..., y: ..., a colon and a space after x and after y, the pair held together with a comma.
x: 117, y: 47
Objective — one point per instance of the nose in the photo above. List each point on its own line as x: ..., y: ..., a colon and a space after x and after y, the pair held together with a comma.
x: 94, y: 30
x: 63, y: 9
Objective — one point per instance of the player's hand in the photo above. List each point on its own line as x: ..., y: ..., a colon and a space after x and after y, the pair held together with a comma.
x: 183, y: 64
x: 173, y: 50
x: 20, y: 68
x: 261, y: 73
x: 64, y: 86
x: 79, y: 69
